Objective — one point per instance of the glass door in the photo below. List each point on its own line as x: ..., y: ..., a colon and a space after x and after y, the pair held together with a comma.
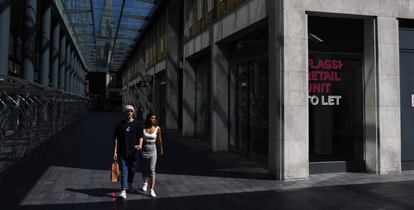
x: 202, y: 117
x: 259, y: 110
x: 251, y: 109
x: 243, y: 107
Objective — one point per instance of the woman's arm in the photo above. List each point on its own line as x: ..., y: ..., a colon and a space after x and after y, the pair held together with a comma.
x: 140, y: 143
x: 159, y: 138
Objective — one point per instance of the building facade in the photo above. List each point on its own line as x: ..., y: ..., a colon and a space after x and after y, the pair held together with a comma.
x: 302, y: 87
x: 38, y: 46
x: 150, y: 79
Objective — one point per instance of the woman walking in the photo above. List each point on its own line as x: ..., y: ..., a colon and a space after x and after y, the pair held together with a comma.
x: 151, y: 137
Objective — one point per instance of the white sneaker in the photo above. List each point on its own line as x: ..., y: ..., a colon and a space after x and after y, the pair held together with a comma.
x: 123, y: 194
x: 153, y: 193
x: 145, y: 186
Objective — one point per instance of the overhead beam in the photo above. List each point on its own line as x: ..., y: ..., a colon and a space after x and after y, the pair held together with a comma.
x: 128, y: 15
x: 116, y: 34
x: 94, y: 33
x: 81, y: 24
x: 76, y: 11
x: 148, y: 1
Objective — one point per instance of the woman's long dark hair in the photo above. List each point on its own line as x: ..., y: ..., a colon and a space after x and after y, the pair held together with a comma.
x: 148, y: 120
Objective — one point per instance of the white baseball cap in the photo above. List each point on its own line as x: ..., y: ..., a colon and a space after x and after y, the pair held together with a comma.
x: 128, y: 107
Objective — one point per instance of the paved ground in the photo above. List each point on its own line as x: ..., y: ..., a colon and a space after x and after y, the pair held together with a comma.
x: 72, y: 172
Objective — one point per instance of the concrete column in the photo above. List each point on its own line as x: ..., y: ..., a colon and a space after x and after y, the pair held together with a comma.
x: 75, y: 84
x: 76, y: 91
x: 288, y: 91
x: 55, y: 56
x: 73, y: 89
x: 45, y: 45
x: 62, y: 63
x: 389, y: 119
x: 219, y: 99
x: 173, y: 67
x: 171, y: 108
x: 29, y: 38
x: 107, y: 80
x: 70, y: 81
x: 80, y: 77
x: 84, y: 83
x: 72, y: 69
x: 67, y: 66
x: 189, y: 95
x: 370, y: 95
x: 77, y: 77
x: 4, y: 36
x: 79, y: 85
x: 75, y: 73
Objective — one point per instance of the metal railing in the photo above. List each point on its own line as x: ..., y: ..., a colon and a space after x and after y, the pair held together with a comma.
x: 30, y: 114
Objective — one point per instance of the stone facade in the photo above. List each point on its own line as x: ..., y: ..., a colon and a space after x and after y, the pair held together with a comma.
x: 288, y: 80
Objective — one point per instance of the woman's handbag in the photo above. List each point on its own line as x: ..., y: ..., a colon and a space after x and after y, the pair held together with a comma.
x: 115, y: 172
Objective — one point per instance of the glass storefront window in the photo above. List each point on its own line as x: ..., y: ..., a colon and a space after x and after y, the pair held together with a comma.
x: 335, y: 105
x: 202, y: 75
x: 16, y: 37
x: 335, y: 89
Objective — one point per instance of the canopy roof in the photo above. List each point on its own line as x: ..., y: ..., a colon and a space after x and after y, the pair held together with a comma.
x: 106, y: 30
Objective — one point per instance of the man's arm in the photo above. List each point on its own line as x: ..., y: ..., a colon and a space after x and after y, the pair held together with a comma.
x: 140, y: 137
x: 115, y: 139
x: 115, y: 149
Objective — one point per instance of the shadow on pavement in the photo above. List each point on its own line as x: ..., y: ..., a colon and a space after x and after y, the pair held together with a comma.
x: 87, y: 144
x: 366, y: 196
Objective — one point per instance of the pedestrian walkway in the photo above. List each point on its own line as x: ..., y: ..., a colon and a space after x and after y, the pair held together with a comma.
x: 71, y: 171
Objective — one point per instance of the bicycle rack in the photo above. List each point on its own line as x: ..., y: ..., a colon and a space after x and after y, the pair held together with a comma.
x: 30, y: 114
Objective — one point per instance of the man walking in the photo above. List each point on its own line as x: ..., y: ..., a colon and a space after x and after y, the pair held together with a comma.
x: 126, y: 136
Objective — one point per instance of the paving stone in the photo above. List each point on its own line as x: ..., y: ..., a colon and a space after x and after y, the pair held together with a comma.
x: 71, y: 171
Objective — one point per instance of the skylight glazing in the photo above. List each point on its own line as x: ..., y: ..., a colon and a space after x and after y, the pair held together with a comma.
x: 106, y: 30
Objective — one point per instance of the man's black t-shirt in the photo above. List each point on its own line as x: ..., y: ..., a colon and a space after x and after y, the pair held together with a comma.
x: 127, y: 134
